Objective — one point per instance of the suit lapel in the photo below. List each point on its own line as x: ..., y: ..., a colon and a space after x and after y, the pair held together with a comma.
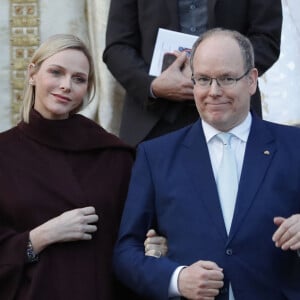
x: 198, y: 167
x: 259, y: 153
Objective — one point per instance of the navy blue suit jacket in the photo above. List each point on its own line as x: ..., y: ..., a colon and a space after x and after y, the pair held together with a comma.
x: 173, y: 189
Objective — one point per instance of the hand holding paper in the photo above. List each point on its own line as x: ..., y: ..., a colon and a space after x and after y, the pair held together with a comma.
x: 175, y: 82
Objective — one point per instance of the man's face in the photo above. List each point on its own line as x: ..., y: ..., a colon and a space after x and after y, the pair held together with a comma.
x: 222, y: 107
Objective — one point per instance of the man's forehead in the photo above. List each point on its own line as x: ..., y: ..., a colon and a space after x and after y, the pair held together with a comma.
x: 224, y: 41
x: 219, y: 50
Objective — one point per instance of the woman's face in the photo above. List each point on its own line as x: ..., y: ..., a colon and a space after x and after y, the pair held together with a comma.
x: 60, y: 83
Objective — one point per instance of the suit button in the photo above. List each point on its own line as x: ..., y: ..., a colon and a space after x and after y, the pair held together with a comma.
x: 229, y: 251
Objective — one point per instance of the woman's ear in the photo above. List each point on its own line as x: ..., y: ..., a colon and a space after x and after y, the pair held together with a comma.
x: 31, y: 71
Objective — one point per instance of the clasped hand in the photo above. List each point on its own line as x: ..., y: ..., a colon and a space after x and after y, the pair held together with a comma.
x: 201, y: 280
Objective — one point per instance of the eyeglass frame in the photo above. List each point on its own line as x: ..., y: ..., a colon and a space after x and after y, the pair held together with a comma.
x: 235, y: 80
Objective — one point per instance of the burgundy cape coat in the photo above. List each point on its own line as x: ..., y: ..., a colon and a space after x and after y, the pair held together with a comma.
x: 46, y: 168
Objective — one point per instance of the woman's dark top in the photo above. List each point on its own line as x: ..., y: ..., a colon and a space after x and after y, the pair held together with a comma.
x: 48, y: 167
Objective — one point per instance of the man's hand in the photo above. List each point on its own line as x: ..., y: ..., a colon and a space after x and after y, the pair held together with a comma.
x: 175, y: 82
x: 201, y: 281
x: 287, y: 236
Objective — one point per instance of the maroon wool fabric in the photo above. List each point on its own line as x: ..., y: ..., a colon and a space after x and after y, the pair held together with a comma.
x: 46, y: 168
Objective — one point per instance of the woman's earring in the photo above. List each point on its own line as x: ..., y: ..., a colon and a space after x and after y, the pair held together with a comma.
x: 31, y: 82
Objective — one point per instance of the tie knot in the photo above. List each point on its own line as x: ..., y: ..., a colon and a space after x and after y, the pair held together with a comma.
x: 225, y: 137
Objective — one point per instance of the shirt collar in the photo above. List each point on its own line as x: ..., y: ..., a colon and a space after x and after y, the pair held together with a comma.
x: 241, y: 131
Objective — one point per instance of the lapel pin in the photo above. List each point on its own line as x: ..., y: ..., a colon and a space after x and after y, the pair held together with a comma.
x: 267, y: 152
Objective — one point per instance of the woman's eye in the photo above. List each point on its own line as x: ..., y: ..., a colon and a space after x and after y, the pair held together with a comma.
x: 55, y: 72
x: 79, y: 79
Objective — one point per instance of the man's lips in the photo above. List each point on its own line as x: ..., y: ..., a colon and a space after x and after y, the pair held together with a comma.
x: 218, y: 106
x: 218, y: 103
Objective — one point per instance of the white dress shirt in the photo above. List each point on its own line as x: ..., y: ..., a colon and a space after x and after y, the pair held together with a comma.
x: 215, y: 148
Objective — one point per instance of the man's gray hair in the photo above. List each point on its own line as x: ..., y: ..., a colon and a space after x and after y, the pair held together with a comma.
x: 243, y: 42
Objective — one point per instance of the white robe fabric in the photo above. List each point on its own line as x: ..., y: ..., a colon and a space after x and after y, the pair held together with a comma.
x: 280, y: 85
x: 108, y: 103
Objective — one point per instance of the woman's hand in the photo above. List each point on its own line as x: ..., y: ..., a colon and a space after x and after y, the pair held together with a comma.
x: 155, y: 245
x: 72, y: 225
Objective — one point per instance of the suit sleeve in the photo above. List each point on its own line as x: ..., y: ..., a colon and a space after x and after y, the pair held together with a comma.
x: 264, y: 31
x: 123, y: 50
x: 148, y: 276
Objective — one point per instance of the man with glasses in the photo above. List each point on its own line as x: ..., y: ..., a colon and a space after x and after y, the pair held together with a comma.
x: 225, y: 192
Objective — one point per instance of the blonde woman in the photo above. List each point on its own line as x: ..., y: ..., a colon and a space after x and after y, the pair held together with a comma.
x: 63, y: 184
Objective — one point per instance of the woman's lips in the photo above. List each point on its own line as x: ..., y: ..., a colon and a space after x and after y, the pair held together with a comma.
x: 62, y: 98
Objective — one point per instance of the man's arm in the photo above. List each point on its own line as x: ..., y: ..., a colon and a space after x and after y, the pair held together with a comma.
x: 145, y: 275
x: 123, y: 49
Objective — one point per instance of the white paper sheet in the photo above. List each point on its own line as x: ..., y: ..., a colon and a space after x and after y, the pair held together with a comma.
x: 169, y: 41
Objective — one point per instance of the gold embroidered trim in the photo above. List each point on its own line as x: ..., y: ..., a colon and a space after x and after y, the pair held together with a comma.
x: 24, y: 39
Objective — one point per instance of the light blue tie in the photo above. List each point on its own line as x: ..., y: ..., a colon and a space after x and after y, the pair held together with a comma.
x: 227, y: 180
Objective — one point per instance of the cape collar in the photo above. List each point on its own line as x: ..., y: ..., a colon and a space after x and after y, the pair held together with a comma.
x: 77, y: 133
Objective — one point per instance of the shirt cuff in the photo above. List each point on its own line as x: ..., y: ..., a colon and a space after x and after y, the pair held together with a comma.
x: 151, y: 93
x: 298, y: 252
x: 173, y: 286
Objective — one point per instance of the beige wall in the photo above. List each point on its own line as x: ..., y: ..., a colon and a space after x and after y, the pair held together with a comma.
x: 4, y: 66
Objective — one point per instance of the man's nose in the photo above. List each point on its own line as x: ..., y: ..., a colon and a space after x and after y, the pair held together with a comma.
x: 215, y: 88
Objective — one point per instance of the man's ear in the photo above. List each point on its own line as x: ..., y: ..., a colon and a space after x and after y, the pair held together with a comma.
x: 253, y: 77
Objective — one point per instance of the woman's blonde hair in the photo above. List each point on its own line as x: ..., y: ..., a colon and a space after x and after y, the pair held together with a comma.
x: 51, y: 46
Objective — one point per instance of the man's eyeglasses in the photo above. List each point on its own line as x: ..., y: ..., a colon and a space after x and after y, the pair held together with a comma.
x: 222, y: 81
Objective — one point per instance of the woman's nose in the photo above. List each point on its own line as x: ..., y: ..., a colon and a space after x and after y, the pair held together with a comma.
x: 65, y: 84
